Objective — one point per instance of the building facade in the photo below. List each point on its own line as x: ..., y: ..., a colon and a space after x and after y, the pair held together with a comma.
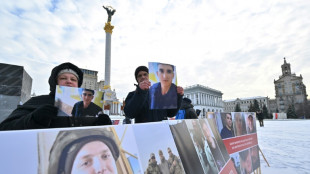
x: 244, y: 103
x: 204, y: 98
x: 112, y: 106
x: 15, y: 88
x: 289, y: 89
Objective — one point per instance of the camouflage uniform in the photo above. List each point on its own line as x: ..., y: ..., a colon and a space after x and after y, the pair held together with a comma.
x: 152, y: 168
x: 174, y: 168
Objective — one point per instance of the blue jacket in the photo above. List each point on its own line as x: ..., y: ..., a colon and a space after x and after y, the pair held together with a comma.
x: 137, y: 106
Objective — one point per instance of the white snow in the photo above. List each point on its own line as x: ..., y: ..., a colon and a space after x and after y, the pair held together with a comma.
x: 286, y: 146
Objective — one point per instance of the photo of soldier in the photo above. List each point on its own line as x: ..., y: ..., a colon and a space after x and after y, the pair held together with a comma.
x: 174, y: 163
x: 153, y: 167
x: 152, y: 138
x: 163, y: 165
x: 88, y: 150
x: 81, y: 151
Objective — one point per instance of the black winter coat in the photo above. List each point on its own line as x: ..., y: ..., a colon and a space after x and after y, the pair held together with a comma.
x: 22, y: 117
x: 189, y: 110
x: 137, y: 106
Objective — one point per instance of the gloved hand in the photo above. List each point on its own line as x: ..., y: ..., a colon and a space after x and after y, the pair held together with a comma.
x: 103, y: 119
x: 44, y: 114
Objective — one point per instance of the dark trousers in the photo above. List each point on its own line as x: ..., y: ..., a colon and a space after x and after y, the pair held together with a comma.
x: 261, y: 123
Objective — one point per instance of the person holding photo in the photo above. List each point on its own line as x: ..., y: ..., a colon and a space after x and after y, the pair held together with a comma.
x: 163, y: 94
x: 39, y: 112
x: 86, y: 106
x: 137, y: 102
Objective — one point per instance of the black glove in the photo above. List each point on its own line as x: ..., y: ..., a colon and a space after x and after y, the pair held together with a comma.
x: 44, y: 114
x: 103, y: 119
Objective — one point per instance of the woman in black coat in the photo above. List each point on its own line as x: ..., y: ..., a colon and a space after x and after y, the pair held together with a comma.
x: 40, y: 112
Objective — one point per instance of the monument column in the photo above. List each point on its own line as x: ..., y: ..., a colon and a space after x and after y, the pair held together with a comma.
x: 108, y: 29
x: 107, y: 73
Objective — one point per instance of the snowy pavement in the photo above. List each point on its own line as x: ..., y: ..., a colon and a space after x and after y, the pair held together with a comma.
x: 286, y: 146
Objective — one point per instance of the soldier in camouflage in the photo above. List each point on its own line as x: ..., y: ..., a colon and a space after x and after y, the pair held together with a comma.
x: 175, y: 165
x: 152, y: 168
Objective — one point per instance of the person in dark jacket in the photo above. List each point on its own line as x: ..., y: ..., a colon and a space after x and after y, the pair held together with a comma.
x: 189, y: 109
x: 86, y: 107
x: 260, y: 117
x: 39, y: 112
x: 137, y: 102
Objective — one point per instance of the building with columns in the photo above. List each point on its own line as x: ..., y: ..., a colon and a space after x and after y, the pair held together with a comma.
x: 244, y: 103
x: 204, y: 98
x: 289, y: 89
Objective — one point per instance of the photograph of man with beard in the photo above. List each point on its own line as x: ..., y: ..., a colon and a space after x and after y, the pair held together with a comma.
x: 86, y: 107
x: 163, y: 94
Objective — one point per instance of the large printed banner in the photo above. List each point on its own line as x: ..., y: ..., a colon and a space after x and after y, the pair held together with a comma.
x: 174, y: 146
x: 238, y: 131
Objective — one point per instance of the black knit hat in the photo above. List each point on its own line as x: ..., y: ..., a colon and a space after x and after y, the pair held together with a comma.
x: 187, y: 100
x: 53, y: 78
x: 68, y: 143
x: 141, y: 68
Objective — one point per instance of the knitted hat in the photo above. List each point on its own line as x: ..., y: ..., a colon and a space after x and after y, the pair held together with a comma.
x: 55, y: 72
x: 68, y: 71
x: 68, y: 144
x: 141, y: 68
x: 187, y: 100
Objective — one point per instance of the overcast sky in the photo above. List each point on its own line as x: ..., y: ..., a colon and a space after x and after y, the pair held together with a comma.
x: 235, y: 46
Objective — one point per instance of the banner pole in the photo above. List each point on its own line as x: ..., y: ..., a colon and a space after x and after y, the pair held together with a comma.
x: 263, y: 156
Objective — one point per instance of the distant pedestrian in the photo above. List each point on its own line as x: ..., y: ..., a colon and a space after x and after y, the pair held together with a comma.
x: 260, y: 118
